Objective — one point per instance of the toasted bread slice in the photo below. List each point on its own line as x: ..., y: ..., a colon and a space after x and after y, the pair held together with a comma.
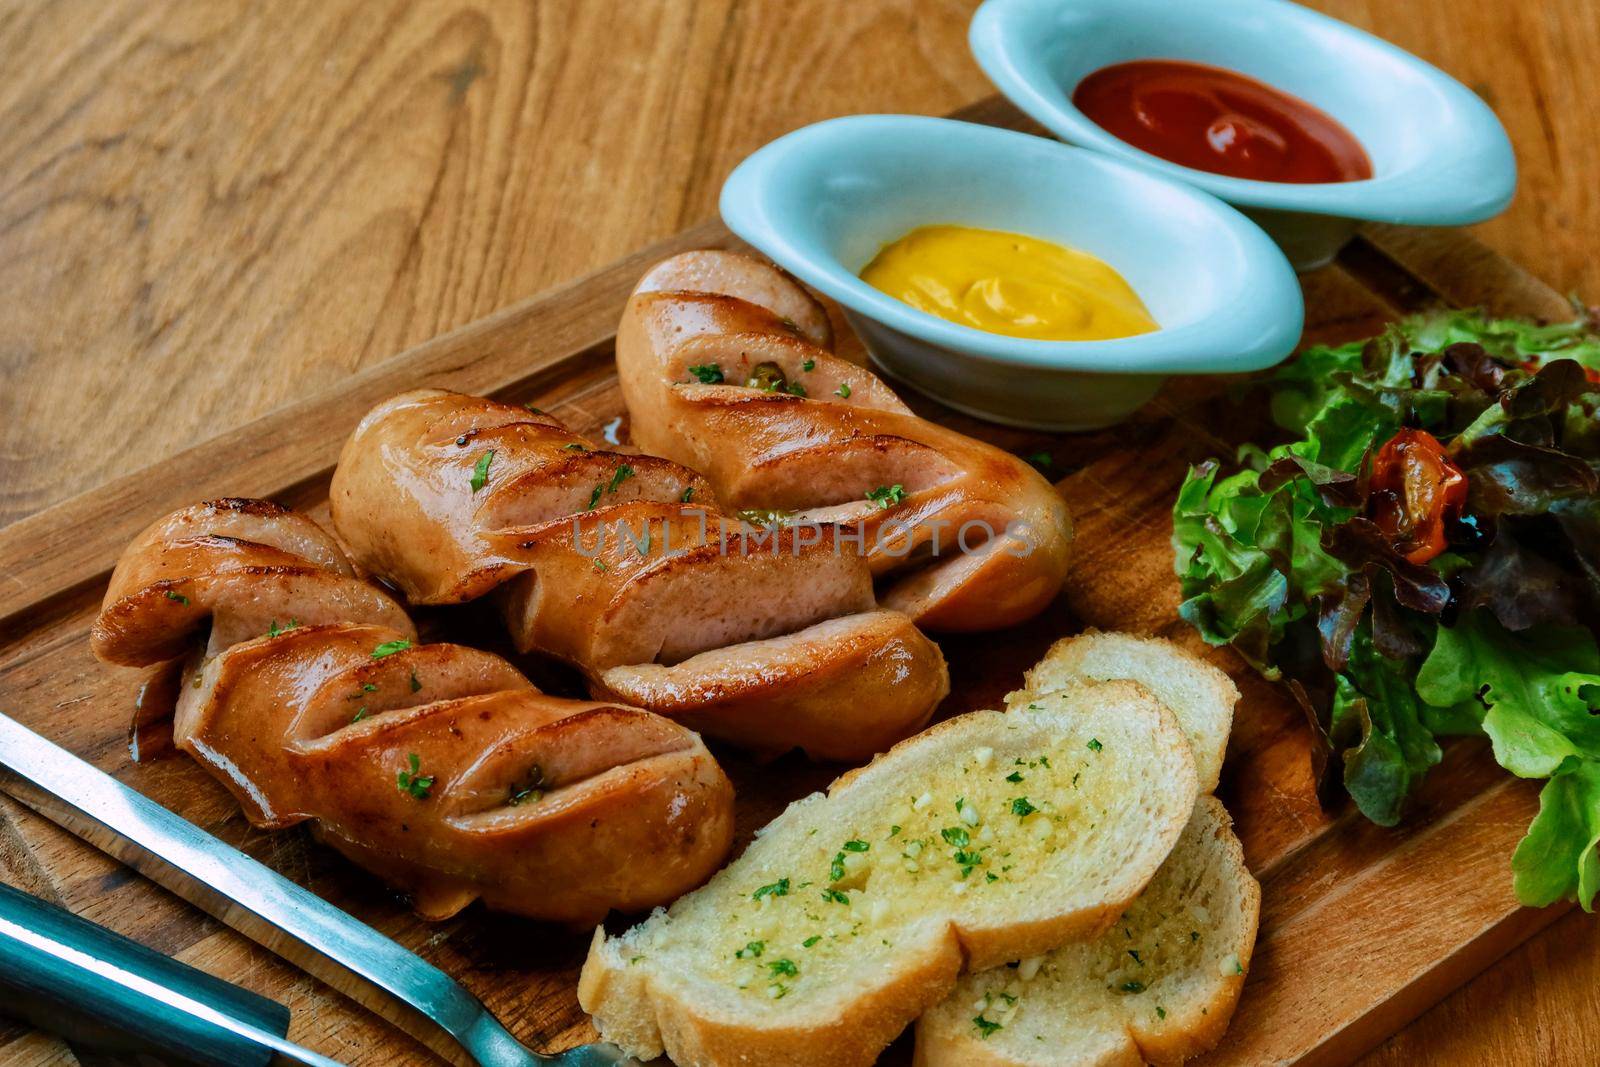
x: 1159, y: 986
x: 1200, y: 695
x: 990, y: 837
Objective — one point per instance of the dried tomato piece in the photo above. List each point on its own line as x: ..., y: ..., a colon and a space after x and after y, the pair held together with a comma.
x: 1417, y: 492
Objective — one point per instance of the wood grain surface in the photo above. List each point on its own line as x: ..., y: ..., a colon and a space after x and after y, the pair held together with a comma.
x: 1331, y: 977
x: 211, y: 210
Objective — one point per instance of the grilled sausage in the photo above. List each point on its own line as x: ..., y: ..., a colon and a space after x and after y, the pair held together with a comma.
x: 624, y: 566
x: 438, y: 767
x: 726, y: 366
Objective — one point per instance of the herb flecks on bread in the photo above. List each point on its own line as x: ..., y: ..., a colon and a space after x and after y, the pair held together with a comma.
x: 1201, y: 696
x: 989, y: 837
x: 1159, y: 986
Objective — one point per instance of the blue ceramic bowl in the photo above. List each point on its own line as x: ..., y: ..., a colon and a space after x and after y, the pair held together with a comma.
x: 822, y: 201
x: 1439, y: 155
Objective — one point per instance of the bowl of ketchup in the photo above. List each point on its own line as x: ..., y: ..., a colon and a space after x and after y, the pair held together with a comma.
x: 1306, y: 124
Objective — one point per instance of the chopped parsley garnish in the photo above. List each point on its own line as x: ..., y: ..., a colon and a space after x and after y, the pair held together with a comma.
x: 955, y: 835
x: 794, y: 389
x: 369, y: 687
x: 414, y: 781
x: 887, y: 496
x: 968, y: 860
x: 416, y: 683
x: 1133, y: 985
x: 812, y: 940
x: 834, y: 896
x: 480, y: 470
x: 751, y: 950
x: 1161, y: 1013
x: 179, y: 597
x: 1095, y: 745
x: 1021, y: 807
x: 708, y: 373
x: 780, y: 888
x: 837, y: 869
x: 1014, y: 776
x: 536, y: 411
x: 784, y: 967
x: 894, y: 830
x: 530, y: 791
x: 1041, y: 459
x: 843, y: 390
x: 766, y: 377
x: 985, y: 1027
x: 599, y: 565
x: 767, y: 518
x: 361, y: 713
x: 622, y: 474
x: 575, y: 447
x: 389, y: 648
x: 274, y: 629
x: 809, y: 365
x: 990, y: 876
x: 688, y: 494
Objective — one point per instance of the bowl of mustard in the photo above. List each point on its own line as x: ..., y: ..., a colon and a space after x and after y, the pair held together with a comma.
x: 1014, y: 278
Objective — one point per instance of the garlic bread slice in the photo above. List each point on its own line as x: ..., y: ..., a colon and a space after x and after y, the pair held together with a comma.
x: 990, y: 837
x: 1201, y: 696
x: 1159, y: 986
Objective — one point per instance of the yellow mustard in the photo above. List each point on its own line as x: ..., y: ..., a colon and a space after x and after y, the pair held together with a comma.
x: 1008, y: 283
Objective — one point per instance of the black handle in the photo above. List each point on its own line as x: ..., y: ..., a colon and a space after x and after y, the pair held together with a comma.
x: 69, y: 976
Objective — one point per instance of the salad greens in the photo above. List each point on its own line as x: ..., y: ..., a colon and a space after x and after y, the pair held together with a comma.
x: 1422, y: 560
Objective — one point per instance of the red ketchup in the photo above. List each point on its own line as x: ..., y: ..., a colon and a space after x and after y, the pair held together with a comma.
x: 1216, y: 120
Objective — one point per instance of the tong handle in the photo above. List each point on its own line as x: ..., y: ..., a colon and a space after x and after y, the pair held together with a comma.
x: 65, y: 974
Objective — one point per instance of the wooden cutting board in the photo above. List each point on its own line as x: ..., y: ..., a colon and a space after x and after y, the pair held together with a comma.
x: 1362, y: 928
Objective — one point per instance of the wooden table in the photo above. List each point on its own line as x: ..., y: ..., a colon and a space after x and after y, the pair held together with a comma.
x: 207, y: 210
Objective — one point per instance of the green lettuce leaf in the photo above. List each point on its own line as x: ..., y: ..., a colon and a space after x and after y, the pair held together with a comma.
x: 1508, y: 339
x: 1534, y: 684
x: 1556, y: 860
x: 1540, y: 690
x: 1378, y: 722
x: 1251, y: 560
